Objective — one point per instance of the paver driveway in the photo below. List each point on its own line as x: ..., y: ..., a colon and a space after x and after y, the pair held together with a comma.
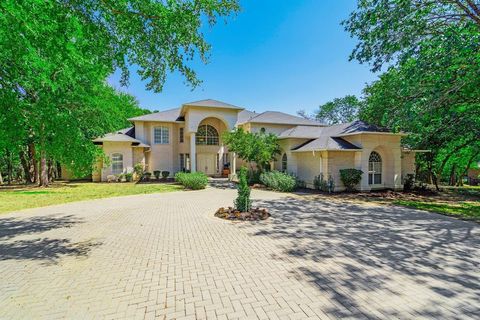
x: 166, y: 256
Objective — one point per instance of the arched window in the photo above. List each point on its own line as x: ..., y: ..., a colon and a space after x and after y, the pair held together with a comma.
x: 284, y: 162
x: 207, y: 135
x: 374, y: 168
x: 117, y: 163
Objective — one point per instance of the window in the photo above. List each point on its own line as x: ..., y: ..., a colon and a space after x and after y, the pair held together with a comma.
x: 180, y: 134
x: 284, y: 162
x: 161, y: 135
x: 374, y: 168
x: 117, y: 163
x: 184, y: 161
x: 207, y: 135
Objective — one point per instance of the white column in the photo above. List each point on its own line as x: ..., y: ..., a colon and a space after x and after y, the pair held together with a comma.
x: 193, y: 153
x: 234, y: 163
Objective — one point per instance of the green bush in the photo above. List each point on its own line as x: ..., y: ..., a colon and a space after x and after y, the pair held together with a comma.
x: 278, y: 181
x: 409, y: 182
x: 319, y: 183
x: 146, y: 176
x: 194, y: 181
x: 350, y: 178
x: 165, y: 174
x: 243, y: 202
x: 129, y: 177
x: 156, y: 173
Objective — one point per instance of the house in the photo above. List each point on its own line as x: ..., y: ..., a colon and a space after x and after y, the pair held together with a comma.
x: 190, y: 138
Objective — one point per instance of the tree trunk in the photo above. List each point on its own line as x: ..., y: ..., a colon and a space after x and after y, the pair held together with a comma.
x: 453, y: 179
x: 472, y: 158
x: 25, y: 166
x: 1, y: 178
x: 43, y: 170
x: 34, y: 162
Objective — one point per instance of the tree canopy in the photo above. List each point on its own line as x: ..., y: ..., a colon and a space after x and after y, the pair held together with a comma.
x: 339, y: 110
x: 57, y: 55
x: 431, y: 86
x: 260, y: 148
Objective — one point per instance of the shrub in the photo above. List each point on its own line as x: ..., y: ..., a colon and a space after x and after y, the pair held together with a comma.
x: 278, y: 181
x: 350, y: 178
x: 409, y: 182
x: 165, y: 174
x: 138, y: 171
x: 129, y: 177
x: 253, y: 177
x: 194, y: 181
x: 156, y: 173
x: 319, y: 183
x: 146, y: 176
x: 243, y: 202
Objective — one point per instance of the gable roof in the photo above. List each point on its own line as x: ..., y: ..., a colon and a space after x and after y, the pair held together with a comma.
x: 277, y: 117
x: 171, y: 115
x: 327, y: 143
x: 212, y: 104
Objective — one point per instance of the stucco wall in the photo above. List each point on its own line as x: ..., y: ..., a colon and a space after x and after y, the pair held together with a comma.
x: 310, y: 165
x: 269, y: 128
x: 408, y: 164
x: 125, y: 149
x: 389, y: 148
x: 336, y: 161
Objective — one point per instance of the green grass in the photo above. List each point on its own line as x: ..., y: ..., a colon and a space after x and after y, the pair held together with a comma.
x: 466, y: 210
x: 31, y: 197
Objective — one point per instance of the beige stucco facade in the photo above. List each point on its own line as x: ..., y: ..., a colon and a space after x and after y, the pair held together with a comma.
x: 181, y: 147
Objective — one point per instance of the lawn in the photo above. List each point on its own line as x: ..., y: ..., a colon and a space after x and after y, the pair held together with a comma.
x: 17, y: 198
x: 467, y: 210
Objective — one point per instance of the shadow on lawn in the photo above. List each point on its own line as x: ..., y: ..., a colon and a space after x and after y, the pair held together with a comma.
x: 373, y: 248
x: 40, y: 248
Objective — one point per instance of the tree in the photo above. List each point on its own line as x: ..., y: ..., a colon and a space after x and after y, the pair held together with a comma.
x: 431, y: 88
x: 56, y: 56
x: 243, y: 202
x: 340, y: 110
x: 390, y: 30
x: 260, y: 148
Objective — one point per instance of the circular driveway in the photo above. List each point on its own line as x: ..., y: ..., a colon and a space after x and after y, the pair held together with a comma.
x: 165, y: 256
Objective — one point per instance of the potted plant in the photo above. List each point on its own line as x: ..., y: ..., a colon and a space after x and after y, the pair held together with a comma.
x: 226, y: 170
x: 156, y: 173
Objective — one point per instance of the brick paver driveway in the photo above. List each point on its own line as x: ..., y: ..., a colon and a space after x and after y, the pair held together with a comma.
x: 166, y: 256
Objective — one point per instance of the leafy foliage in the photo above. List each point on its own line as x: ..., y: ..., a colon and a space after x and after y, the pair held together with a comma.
x: 431, y: 88
x: 340, y: 110
x: 194, y: 180
x: 260, y: 148
x: 56, y: 56
x: 243, y: 202
x: 350, y: 178
x: 278, y: 181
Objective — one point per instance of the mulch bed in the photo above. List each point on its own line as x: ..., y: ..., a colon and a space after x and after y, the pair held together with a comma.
x: 254, y: 214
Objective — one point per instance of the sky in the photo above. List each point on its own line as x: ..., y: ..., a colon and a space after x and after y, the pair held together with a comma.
x: 281, y: 55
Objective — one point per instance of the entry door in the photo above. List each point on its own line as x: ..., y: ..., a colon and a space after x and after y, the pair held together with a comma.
x: 206, y: 163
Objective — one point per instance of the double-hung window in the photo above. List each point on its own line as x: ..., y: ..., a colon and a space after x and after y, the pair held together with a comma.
x: 161, y: 135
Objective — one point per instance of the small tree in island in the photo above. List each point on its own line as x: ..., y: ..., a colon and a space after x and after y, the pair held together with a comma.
x: 242, y: 209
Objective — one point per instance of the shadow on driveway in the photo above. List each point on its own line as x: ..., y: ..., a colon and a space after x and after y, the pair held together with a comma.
x: 15, y: 243
x: 374, y: 247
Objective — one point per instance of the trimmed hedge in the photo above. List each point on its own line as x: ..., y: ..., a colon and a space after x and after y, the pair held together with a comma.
x: 278, y: 181
x: 194, y: 181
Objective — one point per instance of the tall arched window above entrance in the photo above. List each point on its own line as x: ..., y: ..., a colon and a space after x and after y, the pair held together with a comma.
x: 284, y: 162
x: 207, y: 135
x: 374, y: 168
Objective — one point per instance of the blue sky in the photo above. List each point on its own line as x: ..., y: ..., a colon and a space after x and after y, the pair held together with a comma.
x: 274, y: 55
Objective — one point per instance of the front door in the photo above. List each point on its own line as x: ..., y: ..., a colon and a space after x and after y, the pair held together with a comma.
x: 206, y: 163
